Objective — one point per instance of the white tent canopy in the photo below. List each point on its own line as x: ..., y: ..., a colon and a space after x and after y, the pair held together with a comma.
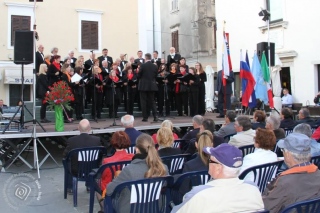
x: 209, y: 88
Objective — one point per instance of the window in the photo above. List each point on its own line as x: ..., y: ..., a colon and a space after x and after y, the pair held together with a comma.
x: 15, y: 93
x: 175, y: 40
x: 89, y: 35
x: 19, y: 23
x: 174, y: 5
x: 275, y: 9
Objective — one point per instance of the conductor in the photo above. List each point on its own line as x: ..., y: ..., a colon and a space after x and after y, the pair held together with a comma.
x: 147, y: 86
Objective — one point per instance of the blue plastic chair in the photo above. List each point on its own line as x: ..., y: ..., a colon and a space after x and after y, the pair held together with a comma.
x: 95, y: 178
x: 247, y: 149
x: 79, y: 163
x: 131, y: 149
x: 186, y: 182
x: 316, y: 161
x: 262, y: 173
x: 175, y: 162
x: 307, y: 206
x: 288, y: 131
x: 150, y: 195
x: 227, y: 137
x: 181, y: 143
x: 176, y: 144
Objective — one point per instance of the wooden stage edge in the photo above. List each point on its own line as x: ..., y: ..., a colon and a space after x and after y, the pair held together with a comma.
x: 102, y: 126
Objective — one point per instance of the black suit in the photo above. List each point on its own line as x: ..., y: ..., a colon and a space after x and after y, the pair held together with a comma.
x: 175, y: 59
x: 122, y: 64
x: 43, y: 87
x: 224, y: 91
x: 39, y: 60
x: 88, y: 66
x: 73, y: 62
x: 147, y: 86
x: 169, y: 151
x: 139, y: 61
x: 52, y: 74
x: 196, y: 164
x: 108, y: 58
x: 157, y: 61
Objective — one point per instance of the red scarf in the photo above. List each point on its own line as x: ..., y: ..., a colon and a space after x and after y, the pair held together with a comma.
x: 57, y: 65
x: 130, y: 76
x: 99, y: 76
x: 115, y: 79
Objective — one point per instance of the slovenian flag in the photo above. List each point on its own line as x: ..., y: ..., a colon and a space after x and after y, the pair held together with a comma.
x: 247, y: 80
x: 226, y: 60
x: 266, y: 77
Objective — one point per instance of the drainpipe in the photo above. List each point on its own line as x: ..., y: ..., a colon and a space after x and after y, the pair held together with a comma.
x: 153, y: 33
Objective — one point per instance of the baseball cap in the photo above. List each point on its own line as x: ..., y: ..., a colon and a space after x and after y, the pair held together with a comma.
x: 297, y: 143
x: 226, y: 154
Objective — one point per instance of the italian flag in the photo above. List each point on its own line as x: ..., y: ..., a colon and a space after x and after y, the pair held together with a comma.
x: 266, y: 78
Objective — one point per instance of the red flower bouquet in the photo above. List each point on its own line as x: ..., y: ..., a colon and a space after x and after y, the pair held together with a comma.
x: 59, y: 95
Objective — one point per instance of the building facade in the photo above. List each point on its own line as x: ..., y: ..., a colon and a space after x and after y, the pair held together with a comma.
x: 123, y: 26
x: 189, y: 26
x: 291, y: 29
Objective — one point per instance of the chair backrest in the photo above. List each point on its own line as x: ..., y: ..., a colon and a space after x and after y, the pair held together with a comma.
x: 247, y: 149
x: 307, y: 206
x: 262, y: 173
x: 83, y: 161
x: 175, y: 162
x: 288, y: 131
x: 131, y: 149
x: 146, y: 195
x: 176, y: 144
x: 183, y: 144
x: 186, y: 182
x: 227, y: 137
x: 316, y: 161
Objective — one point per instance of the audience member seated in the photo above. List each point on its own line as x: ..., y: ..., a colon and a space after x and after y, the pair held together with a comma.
x: 264, y: 144
x: 227, y: 128
x: 259, y: 119
x: 245, y: 135
x: 306, y: 130
x: 2, y: 106
x: 207, y: 124
x: 273, y: 123
x: 287, y: 118
x: 127, y: 122
x: 200, y: 162
x: 119, y: 141
x: 225, y: 193
x: 196, y: 122
x: 316, y: 134
x: 304, y: 117
x: 146, y: 163
x: 286, y: 99
x: 300, y: 182
x: 165, y: 123
x: 165, y: 141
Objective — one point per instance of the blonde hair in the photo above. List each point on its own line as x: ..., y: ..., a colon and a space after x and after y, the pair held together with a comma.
x: 47, y: 56
x: 165, y: 137
x: 167, y: 123
x: 145, y: 145
x: 41, y: 69
x: 204, y: 139
x: 64, y: 67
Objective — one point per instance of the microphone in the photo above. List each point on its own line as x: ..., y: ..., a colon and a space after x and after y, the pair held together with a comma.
x: 125, y: 54
x: 91, y: 51
x: 163, y: 52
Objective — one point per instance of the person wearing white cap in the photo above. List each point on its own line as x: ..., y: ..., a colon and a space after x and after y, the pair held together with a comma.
x: 226, y: 192
x: 300, y: 182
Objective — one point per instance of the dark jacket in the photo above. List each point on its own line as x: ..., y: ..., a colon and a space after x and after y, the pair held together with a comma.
x: 43, y: 85
x: 195, y: 164
x: 147, y: 77
x: 139, y: 61
x: 169, y: 151
x: 133, y: 134
x: 220, y: 87
x: 81, y: 141
x: 191, y: 134
x: 279, y: 133
x: 176, y: 59
x: 306, y: 120
x: 288, y: 123
x: 51, y: 73
x: 39, y: 60
x: 192, y: 146
x: 257, y: 125
x: 109, y: 59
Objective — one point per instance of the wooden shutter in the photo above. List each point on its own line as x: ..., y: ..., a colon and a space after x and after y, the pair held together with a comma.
x: 19, y: 23
x: 175, y: 40
x: 89, y: 35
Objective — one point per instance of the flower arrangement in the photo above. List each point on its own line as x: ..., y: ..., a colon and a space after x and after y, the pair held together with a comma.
x: 60, y: 95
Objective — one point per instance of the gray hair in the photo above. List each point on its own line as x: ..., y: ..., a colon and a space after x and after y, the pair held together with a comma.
x: 54, y: 48
x: 127, y: 121
x: 71, y: 51
x: 303, y: 129
x: 198, y: 119
x: 229, y: 172
x: 305, y: 112
x: 300, y: 158
x: 245, y: 122
x: 274, y: 121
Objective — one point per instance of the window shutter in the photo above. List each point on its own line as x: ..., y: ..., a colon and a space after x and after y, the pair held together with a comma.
x: 175, y: 40
x: 19, y: 23
x: 89, y: 35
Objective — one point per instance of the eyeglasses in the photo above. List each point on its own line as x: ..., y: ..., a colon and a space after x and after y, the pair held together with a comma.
x: 211, y: 161
x: 282, y: 150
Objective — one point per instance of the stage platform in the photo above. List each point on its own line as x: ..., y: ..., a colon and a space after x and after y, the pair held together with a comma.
x: 102, y: 126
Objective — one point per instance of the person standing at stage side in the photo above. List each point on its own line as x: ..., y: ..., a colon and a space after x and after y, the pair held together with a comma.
x: 105, y: 57
x: 147, y: 87
x: 54, y: 70
x: 80, y: 141
x: 43, y: 89
x: 39, y: 57
x: 127, y: 122
x: 224, y: 92
x: 139, y: 60
x: 193, y: 92
x: 173, y: 57
x: 202, y: 88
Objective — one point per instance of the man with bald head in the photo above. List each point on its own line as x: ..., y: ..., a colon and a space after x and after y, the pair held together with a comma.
x: 173, y: 57
x: 83, y: 140
x: 127, y: 122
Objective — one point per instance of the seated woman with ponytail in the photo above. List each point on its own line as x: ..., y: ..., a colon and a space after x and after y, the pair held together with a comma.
x: 146, y: 163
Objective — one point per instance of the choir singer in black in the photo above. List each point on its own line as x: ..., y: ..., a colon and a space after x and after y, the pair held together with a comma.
x: 147, y: 87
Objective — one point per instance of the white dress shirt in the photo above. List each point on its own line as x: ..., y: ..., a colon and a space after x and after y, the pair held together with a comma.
x: 287, y: 100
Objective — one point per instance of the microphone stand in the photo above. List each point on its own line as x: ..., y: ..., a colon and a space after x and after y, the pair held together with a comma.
x: 165, y: 97
x: 94, y: 102
x: 113, y: 103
